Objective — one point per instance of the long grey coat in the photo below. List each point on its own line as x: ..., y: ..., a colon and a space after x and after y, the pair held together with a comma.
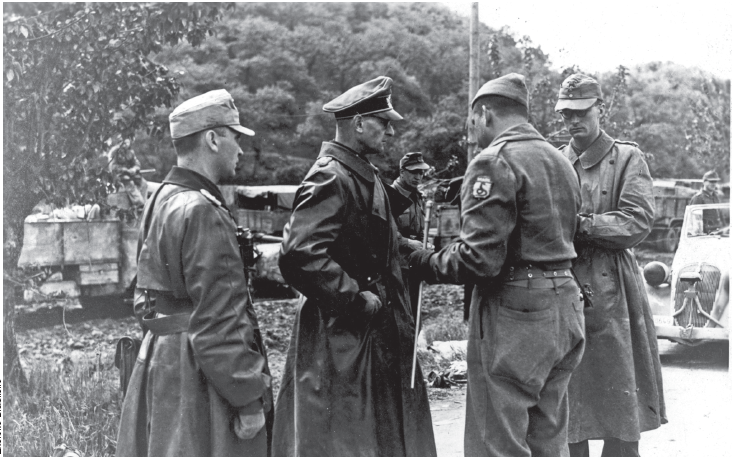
x: 616, y: 391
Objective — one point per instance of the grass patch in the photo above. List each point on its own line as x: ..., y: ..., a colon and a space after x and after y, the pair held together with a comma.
x: 74, y: 407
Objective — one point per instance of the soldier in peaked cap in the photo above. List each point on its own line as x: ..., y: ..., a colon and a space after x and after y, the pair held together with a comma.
x: 346, y: 386
x: 519, y: 202
x: 200, y: 386
x: 616, y: 392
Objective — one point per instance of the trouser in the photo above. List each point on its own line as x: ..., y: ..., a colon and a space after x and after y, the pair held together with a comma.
x: 523, y: 346
x: 612, y: 447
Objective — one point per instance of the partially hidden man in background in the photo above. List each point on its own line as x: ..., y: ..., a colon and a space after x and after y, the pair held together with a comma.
x: 411, y: 222
x: 200, y: 385
x: 519, y: 201
x: 616, y: 392
x: 346, y: 384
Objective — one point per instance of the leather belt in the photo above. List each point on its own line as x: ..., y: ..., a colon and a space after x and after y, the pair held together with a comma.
x: 160, y: 324
x: 536, y: 278
x: 169, y: 315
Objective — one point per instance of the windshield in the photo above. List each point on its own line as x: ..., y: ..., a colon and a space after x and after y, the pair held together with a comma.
x: 709, y: 222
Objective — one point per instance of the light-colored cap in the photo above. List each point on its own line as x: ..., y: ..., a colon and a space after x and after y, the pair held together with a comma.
x: 215, y: 108
x: 578, y: 92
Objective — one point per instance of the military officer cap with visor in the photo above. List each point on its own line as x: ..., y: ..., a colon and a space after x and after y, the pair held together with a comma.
x: 413, y: 161
x: 511, y: 86
x: 215, y: 108
x: 711, y: 176
x: 578, y: 92
x: 370, y: 98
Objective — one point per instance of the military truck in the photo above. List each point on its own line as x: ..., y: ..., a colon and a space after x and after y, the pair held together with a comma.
x: 72, y: 257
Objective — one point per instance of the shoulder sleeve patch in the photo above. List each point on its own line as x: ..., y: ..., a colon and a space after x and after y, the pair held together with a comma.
x: 482, y: 187
x: 323, y: 161
x: 210, y: 197
x: 630, y: 143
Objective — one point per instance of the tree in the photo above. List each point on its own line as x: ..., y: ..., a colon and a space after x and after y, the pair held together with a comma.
x: 76, y: 76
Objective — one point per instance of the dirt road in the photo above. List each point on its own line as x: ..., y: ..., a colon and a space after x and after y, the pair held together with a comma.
x: 698, y: 396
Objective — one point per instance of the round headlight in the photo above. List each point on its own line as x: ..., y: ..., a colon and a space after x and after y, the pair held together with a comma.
x: 656, y: 273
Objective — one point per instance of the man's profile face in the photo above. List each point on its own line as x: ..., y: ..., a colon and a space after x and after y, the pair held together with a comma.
x: 229, y: 152
x: 479, y: 126
x: 582, y: 124
x: 375, y: 131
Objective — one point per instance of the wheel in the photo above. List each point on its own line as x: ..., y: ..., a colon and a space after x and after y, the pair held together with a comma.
x: 669, y: 240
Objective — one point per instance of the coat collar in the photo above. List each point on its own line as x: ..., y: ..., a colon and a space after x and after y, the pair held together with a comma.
x: 404, y: 191
x: 349, y: 158
x: 519, y: 132
x: 595, y: 152
x: 192, y: 180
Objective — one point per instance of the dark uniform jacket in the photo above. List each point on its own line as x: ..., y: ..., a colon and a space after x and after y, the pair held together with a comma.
x: 411, y: 221
x: 186, y: 387
x: 519, y: 198
x: 706, y: 197
x: 346, y: 384
x: 616, y: 391
x: 512, y: 223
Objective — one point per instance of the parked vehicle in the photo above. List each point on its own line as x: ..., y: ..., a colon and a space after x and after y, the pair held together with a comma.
x: 690, y: 302
x: 74, y: 257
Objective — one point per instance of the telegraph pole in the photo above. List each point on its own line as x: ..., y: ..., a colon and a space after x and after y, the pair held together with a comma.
x: 473, y: 75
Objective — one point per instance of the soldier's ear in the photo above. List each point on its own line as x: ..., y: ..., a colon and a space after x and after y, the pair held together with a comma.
x: 210, y: 140
x: 358, y: 123
x: 601, y: 109
x: 486, y: 113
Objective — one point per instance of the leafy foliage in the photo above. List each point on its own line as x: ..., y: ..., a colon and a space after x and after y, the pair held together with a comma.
x: 77, y: 77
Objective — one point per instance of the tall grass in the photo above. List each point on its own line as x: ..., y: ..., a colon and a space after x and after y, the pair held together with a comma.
x: 74, y: 407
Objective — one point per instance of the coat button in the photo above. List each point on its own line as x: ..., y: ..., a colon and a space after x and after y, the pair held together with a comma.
x: 610, y: 161
x: 604, y: 274
x: 604, y: 192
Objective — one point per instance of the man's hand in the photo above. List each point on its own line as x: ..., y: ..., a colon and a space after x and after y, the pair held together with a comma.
x: 372, y: 301
x: 247, y: 426
x: 417, y: 245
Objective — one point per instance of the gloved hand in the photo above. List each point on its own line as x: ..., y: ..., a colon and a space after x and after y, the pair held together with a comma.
x: 372, y: 301
x: 419, y: 264
x: 247, y: 426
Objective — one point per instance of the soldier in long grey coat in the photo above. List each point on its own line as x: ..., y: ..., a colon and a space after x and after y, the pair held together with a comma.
x: 616, y: 393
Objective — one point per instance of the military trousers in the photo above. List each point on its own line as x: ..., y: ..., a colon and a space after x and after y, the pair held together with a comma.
x: 523, y: 346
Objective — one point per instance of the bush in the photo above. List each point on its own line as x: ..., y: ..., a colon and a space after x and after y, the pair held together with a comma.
x: 78, y: 408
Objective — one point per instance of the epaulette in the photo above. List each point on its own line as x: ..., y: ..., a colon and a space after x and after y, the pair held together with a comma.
x: 323, y: 161
x: 210, y: 197
x: 631, y: 143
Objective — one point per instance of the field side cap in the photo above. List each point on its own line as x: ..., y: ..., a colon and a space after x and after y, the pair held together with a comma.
x: 578, y: 92
x: 711, y: 175
x: 511, y: 86
x: 413, y: 161
x: 215, y: 108
x: 369, y: 98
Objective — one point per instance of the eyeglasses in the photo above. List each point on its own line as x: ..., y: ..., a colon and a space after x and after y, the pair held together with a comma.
x: 385, y: 122
x: 568, y: 114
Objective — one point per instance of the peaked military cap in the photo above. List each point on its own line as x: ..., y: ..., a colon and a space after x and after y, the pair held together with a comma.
x: 215, y: 108
x: 511, y: 86
x: 369, y: 98
x: 413, y: 161
x: 711, y: 176
x: 578, y: 92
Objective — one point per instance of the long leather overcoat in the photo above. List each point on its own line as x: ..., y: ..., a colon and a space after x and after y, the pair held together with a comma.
x: 187, y: 387
x: 616, y: 391
x: 346, y: 384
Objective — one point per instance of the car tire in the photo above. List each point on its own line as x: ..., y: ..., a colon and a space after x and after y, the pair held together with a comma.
x: 669, y: 240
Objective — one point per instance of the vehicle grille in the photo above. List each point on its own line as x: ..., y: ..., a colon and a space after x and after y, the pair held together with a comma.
x: 707, y: 289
